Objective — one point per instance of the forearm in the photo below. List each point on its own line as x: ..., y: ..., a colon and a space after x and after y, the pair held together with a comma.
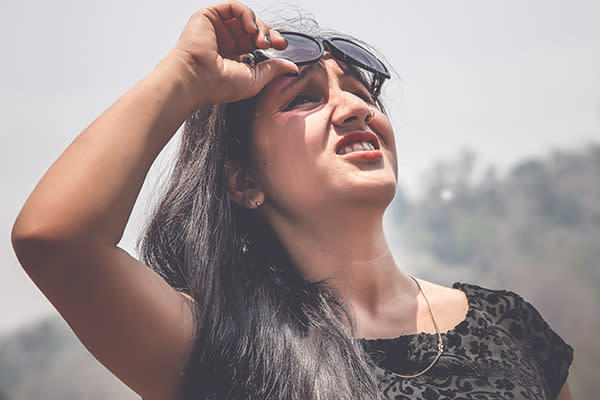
x: 89, y: 192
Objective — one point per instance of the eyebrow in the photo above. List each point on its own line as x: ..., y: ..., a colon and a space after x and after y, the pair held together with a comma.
x: 304, y: 75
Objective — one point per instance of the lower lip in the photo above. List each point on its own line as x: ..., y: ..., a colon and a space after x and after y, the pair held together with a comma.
x: 364, y: 155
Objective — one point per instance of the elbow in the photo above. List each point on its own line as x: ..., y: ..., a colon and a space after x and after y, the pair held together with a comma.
x: 34, y: 245
x: 41, y: 241
x: 27, y: 244
x: 26, y: 231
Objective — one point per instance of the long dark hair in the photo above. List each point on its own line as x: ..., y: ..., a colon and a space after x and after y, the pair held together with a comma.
x: 262, y: 331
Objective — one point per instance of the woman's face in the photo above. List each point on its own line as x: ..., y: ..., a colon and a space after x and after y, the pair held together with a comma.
x: 308, y: 138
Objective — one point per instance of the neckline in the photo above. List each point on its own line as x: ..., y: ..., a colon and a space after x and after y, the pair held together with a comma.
x: 456, y: 285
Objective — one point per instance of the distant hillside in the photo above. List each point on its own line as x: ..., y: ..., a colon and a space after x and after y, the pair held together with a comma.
x: 535, y: 231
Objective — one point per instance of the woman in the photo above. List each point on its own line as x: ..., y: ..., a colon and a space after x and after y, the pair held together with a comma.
x: 272, y: 277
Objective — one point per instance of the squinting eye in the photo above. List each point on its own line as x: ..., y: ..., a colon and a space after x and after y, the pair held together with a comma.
x: 299, y: 100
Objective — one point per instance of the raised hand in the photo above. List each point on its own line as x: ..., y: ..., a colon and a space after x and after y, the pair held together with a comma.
x: 209, y: 54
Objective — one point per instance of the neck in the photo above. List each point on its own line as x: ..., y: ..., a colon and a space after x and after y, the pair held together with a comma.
x: 352, y: 253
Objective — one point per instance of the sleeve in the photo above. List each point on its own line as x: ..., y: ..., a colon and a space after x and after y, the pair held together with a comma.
x: 555, y: 356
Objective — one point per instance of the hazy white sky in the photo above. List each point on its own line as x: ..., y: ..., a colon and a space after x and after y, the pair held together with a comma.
x: 508, y: 79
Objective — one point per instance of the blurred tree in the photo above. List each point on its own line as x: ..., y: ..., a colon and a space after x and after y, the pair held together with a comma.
x: 535, y: 230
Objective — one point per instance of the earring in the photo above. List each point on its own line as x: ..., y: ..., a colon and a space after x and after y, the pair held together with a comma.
x: 245, y: 245
x: 256, y: 203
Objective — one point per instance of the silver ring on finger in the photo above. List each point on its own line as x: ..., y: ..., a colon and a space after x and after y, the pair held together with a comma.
x: 250, y: 59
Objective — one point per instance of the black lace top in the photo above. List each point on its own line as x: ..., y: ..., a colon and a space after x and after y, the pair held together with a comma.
x: 503, y: 349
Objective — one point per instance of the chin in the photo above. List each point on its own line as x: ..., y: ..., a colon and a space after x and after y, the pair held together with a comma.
x: 378, y: 192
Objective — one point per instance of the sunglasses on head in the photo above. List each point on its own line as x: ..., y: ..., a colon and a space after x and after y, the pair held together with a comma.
x: 304, y: 49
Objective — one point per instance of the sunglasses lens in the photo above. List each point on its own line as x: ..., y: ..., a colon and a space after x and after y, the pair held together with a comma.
x: 300, y: 49
x: 361, y: 55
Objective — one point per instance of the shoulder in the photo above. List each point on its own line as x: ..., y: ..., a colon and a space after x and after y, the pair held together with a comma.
x: 503, y: 309
x: 522, y: 321
x: 489, y: 296
x: 504, y: 313
x: 502, y: 304
x: 465, y: 302
x: 450, y: 305
x: 497, y: 304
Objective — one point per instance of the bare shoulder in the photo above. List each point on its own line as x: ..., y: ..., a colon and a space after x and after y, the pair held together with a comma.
x: 449, y: 305
x: 443, y: 294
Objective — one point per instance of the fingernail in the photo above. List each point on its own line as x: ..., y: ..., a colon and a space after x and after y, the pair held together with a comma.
x: 256, y: 26
x: 291, y: 74
x: 268, y: 39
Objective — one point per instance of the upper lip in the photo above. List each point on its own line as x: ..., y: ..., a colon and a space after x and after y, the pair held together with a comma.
x: 363, y: 136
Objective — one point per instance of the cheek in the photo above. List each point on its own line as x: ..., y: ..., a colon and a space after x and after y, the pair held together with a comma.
x: 289, y: 168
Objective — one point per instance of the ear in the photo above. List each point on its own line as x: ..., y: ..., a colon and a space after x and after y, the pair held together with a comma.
x: 242, y: 188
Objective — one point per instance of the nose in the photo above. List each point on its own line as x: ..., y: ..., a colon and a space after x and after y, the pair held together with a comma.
x: 350, y: 109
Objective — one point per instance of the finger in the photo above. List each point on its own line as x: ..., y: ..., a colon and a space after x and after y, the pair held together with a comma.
x: 248, y: 20
x: 266, y: 71
x: 262, y: 38
x: 225, y: 39
x: 240, y: 12
x: 243, y: 39
x: 277, y: 41
x: 226, y: 42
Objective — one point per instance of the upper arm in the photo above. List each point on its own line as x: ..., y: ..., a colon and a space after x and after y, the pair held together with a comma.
x: 126, y: 315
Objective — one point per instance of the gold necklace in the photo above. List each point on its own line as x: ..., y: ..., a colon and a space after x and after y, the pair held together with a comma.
x: 440, y: 344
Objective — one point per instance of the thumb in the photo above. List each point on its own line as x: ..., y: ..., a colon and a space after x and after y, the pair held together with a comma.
x: 268, y: 70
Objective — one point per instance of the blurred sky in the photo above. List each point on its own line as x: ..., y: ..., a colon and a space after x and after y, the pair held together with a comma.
x: 507, y: 79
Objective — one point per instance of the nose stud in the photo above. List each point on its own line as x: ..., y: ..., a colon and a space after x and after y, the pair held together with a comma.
x: 370, y: 116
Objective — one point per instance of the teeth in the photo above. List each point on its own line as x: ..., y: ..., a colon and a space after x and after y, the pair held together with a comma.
x: 345, y: 150
x: 357, y: 146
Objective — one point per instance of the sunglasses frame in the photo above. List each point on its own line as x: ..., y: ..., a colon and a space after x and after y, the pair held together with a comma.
x: 328, y: 43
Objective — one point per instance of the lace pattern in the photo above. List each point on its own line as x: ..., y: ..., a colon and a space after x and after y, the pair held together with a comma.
x: 503, y: 349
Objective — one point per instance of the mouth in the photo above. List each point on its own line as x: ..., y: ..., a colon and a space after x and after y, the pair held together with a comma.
x: 357, y: 142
